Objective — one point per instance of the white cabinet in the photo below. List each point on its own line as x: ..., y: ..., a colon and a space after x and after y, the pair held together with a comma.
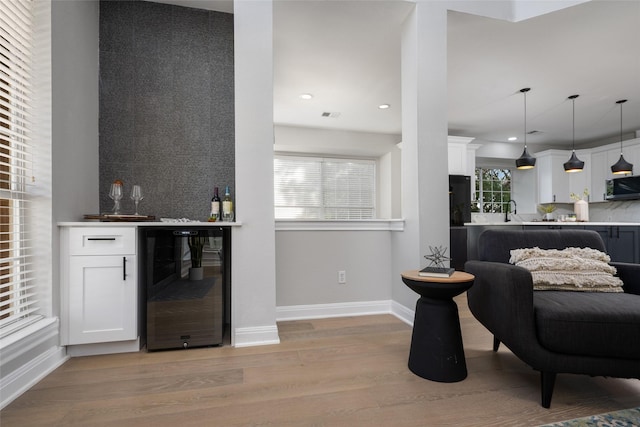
x: 457, y: 158
x: 632, y: 154
x: 579, y: 181
x: 602, y: 158
x: 99, y: 285
x: 554, y: 184
x: 553, y: 181
x: 462, y: 158
x: 600, y: 172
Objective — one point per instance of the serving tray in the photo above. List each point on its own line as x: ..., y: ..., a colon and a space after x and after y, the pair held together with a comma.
x: 119, y: 217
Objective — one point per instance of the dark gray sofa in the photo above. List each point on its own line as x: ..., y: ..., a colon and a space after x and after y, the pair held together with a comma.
x: 590, y: 333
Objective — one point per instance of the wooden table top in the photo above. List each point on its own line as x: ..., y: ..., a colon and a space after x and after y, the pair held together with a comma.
x: 456, y: 277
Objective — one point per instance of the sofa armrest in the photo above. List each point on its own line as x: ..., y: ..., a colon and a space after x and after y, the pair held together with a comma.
x: 501, y: 298
x: 630, y: 276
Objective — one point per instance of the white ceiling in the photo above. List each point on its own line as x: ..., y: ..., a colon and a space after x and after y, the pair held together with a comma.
x: 347, y: 54
x: 592, y: 49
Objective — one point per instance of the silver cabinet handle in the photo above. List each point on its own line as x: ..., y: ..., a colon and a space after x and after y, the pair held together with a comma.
x: 124, y: 268
x: 101, y: 238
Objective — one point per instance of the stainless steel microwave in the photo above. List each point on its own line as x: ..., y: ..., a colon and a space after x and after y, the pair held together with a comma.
x: 623, y: 188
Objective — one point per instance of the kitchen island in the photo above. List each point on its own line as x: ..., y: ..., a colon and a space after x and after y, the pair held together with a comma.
x: 620, y: 238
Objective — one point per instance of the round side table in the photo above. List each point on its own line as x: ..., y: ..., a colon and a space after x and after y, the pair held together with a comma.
x: 436, y: 350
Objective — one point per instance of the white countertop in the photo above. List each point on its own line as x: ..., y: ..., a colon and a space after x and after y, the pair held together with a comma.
x: 148, y: 224
x: 551, y: 223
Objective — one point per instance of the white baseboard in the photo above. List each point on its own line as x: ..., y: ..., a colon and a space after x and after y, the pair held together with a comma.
x: 260, y: 335
x: 341, y: 309
x: 104, y: 348
x: 403, y: 313
x: 51, y: 356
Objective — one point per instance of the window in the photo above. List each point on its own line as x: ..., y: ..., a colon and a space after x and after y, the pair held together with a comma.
x: 493, y: 190
x: 17, y: 293
x: 324, y: 188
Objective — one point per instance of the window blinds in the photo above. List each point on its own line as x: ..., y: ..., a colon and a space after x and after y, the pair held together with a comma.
x: 322, y: 188
x: 18, y: 302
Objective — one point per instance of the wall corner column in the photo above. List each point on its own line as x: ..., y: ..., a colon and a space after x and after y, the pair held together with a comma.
x: 253, y: 276
x: 425, y: 176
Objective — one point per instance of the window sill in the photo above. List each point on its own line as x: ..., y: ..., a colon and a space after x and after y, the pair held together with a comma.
x: 344, y: 225
x: 20, y: 341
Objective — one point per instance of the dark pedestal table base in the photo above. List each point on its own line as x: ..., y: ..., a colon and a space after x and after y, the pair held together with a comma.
x: 436, y: 351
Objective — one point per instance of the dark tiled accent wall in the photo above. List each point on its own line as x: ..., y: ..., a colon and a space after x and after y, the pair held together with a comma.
x: 166, y: 106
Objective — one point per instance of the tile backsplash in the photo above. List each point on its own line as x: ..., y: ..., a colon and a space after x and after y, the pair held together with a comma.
x: 166, y: 106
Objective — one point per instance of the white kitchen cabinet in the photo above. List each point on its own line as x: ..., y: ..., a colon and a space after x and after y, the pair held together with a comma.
x: 457, y: 158
x: 99, y: 285
x: 600, y: 170
x: 554, y: 184
x: 579, y: 181
x: 632, y: 154
x: 553, y: 181
x: 462, y: 158
x: 603, y: 159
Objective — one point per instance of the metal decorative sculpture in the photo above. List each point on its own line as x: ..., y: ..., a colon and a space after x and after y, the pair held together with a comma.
x: 437, y: 256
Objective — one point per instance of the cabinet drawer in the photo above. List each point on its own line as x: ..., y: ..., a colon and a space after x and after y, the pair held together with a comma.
x: 102, y: 241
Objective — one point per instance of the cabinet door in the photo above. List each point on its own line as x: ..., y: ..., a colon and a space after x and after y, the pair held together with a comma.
x: 600, y: 170
x: 580, y: 181
x: 457, y: 159
x: 621, y: 242
x: 102, y: 299
x: 553, y: 181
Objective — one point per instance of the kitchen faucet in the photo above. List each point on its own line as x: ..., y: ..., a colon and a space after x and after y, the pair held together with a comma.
x: 506, y: 213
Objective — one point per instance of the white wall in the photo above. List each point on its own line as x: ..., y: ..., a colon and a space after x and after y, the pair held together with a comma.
x: 525, y: 190
x: 253, y: 294
x: 66, y: 174
x: 75, y: 62
x: 333, y: 141
x: 425, y: 177
x: 308, y: 262
x: 389, y: 185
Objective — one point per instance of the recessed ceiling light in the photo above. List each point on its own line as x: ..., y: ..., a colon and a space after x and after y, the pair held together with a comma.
x: 512, y: 138
x: 384, y: 106
x: 306, y: 96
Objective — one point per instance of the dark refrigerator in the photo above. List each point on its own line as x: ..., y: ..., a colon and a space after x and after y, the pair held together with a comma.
x: 459, y: 199
x: 459, y: 213
x: 182, y: 310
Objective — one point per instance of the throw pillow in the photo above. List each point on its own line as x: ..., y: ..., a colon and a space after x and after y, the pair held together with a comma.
x: 569, y: 269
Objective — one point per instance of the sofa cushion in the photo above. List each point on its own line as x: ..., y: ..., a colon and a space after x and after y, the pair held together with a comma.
x: 568, y: 269
x: 591, y: 324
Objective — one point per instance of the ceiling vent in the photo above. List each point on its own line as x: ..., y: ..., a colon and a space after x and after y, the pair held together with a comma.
x: 332, y: 115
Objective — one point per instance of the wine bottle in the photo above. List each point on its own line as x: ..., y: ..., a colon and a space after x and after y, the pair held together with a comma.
x: 215, y: 206
x: 227, y: 206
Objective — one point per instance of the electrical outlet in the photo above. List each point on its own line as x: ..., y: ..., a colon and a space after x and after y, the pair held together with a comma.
x: 342, y: 277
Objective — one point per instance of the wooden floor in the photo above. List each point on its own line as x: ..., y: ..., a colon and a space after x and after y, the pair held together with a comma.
x: 330, y: 372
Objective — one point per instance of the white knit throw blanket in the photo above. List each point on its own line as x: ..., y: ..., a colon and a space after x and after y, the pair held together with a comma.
x: 569, y: 269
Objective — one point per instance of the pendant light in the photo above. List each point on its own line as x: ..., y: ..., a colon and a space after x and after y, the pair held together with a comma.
x: 526, y: 160
x: 621, y: 166
x: 574, y: 164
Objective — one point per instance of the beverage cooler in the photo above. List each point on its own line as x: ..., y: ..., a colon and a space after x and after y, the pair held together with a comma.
x: 185, y: 307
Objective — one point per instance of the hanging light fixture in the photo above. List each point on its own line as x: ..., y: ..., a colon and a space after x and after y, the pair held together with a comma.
x: 621, y: 166
x: 526, y: 160
x: 574, y: 164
